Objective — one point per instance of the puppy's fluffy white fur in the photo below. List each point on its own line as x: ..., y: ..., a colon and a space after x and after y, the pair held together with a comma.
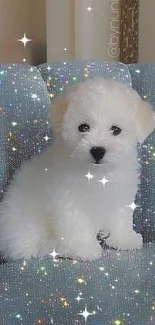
x: 51, y: 204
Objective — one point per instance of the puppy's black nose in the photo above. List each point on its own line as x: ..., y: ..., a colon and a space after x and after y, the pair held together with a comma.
x: 98, y: 153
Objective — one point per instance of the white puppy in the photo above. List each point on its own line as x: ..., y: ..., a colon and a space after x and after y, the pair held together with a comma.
x: 59, y: 199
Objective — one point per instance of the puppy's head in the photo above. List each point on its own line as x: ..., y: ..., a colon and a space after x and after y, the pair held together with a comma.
x: 101, y: 120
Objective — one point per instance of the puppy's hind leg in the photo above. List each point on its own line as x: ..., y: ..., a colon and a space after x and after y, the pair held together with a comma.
x: 76, y: 236
x: 22, y: 239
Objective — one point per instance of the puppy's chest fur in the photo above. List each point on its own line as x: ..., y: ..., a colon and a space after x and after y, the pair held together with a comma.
x: 103, y: 194
x: 66, y: 188
x: 98, y: 197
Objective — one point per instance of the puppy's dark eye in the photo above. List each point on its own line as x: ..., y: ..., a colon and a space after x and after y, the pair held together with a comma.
x: 115, y: 130
x: 84, y: 127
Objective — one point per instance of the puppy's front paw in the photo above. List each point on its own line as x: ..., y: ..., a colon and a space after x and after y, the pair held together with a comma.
x: 88, y: 251
x: 126, y: 241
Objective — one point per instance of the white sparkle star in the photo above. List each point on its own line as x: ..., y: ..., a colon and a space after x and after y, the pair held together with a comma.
x: 18, y: 316
x: 85, y: 314
x: 46, y: 137
x: 89, y: 8
x: 14, y: 149
x: 14, y: 123
x: 53, y: 254
x: 78, y: 298
x: 132, y: 206
x: 75, y: 262
x: 137, y: 291
x: 89, y: 176
x: 49, y: 68
x: 104, y: 181
x: 34, y: 96
x: 24, y: 40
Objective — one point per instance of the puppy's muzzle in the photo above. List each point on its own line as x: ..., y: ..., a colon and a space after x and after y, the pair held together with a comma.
x: 98, y: 153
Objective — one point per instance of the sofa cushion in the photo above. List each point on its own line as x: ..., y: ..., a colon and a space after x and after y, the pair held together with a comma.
x: 116, y: 290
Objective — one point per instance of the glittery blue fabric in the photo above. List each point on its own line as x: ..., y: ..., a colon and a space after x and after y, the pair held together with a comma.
x: 59, y: 75
x: 117, y: 290
x: 24, y: 104
x: 120, y: 288
x: 143, y: 81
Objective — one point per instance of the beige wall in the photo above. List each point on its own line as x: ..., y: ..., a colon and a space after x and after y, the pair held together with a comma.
x: 147, y: 31
x: 16, y: 18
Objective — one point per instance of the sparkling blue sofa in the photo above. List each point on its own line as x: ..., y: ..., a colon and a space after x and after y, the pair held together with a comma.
x: 119, y: 289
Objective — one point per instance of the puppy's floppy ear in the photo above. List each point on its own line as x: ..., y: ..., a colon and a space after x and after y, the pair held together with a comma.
x: 145, y: 120
x: 57, y: 110
x: 59, y: 107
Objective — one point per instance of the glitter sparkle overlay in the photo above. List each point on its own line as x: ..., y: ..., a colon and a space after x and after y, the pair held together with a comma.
x: 24, y: 40
x: 24, y: 128
x: 60, y: 75
x: 119, y: 289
